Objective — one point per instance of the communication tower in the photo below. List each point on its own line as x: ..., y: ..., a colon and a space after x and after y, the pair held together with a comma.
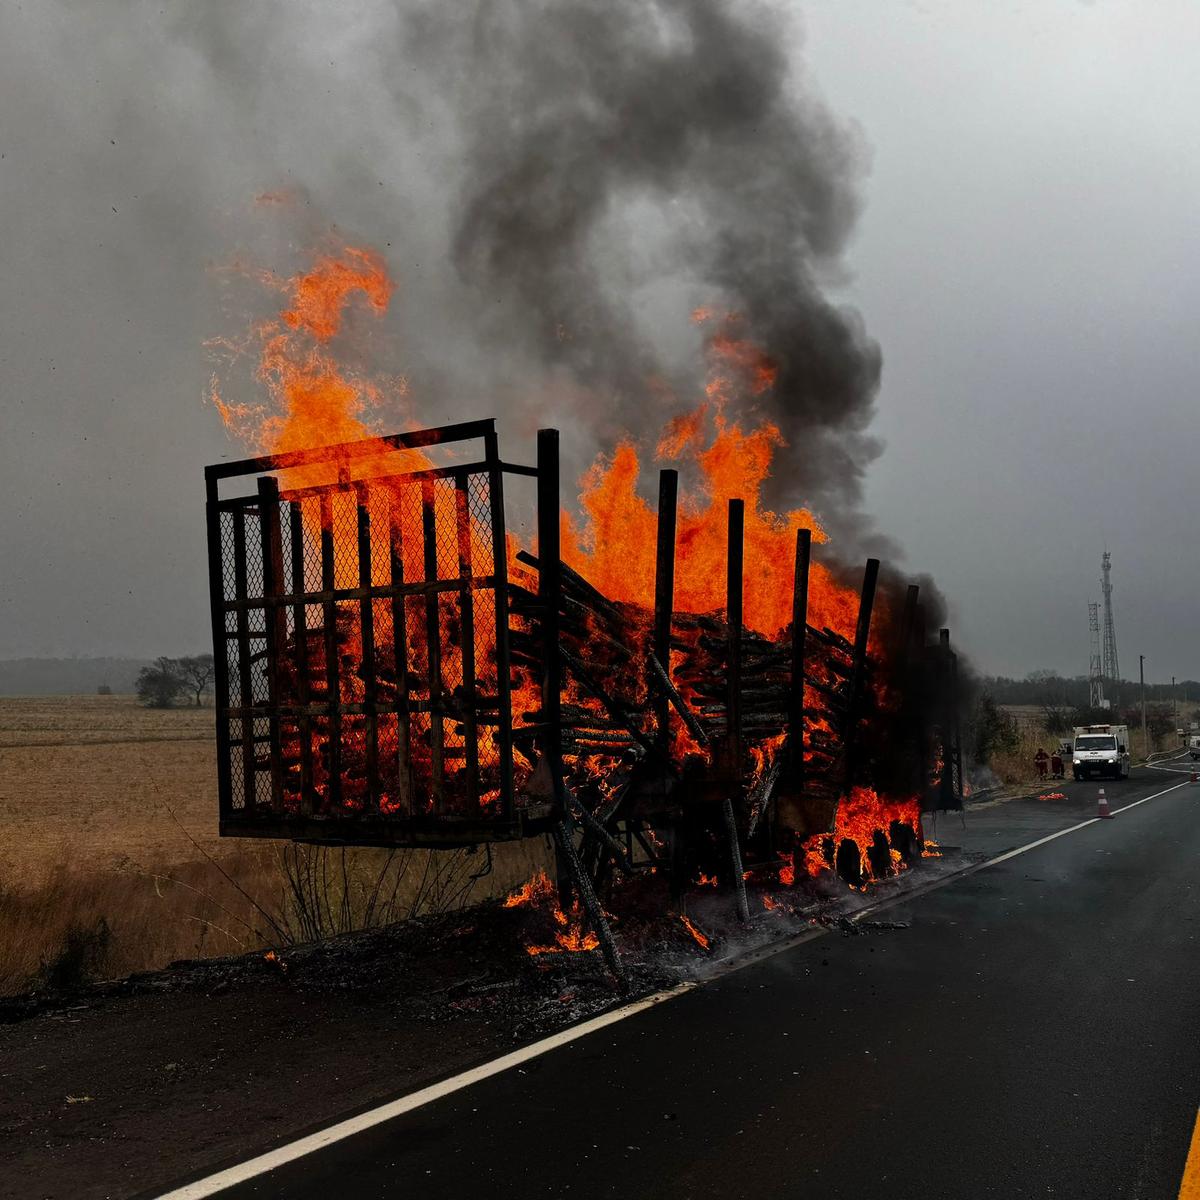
x: 1109, y: 667
x: 1095, y: 667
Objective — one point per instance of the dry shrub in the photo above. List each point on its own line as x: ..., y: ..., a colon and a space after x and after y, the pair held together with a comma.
x: 79, y: 926
x: 1015, y: 765
x: 330, y: 891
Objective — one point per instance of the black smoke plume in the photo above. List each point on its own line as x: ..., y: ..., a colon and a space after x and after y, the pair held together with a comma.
x: 695, y: 114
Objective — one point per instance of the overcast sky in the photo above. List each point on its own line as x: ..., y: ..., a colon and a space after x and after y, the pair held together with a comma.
x: 1025, y: 257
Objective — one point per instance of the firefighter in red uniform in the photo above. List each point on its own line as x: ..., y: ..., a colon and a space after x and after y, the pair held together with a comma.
x: 1040, y: 760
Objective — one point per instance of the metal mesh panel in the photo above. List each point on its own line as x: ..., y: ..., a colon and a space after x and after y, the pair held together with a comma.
x: 226, y: 520
x: 361, y: 653
x: 237, y: 774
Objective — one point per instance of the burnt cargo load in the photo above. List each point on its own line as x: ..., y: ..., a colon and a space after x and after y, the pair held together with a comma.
x: 393, y: 668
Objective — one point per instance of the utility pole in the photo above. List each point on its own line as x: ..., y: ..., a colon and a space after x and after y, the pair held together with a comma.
x: 1174, y: 706
x: 1142, y: 681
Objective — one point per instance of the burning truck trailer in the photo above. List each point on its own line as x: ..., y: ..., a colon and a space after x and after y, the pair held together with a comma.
x: 394, y: 669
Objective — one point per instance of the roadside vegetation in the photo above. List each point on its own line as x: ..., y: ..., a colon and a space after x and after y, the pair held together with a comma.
x: 1010, y: 720
x: 80, y: 925
x: 110, y: 863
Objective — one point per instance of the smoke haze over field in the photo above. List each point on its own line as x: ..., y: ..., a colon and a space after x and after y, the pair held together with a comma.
x: 554, y: 187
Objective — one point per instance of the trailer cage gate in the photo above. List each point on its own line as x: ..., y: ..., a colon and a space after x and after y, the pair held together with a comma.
x: 361, y: 642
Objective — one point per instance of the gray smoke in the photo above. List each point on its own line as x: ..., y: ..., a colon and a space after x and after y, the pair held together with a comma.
x: 574, y: 113
x: 554, y: 187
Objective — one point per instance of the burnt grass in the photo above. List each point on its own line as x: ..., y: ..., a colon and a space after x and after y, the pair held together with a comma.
x: 475, y: 961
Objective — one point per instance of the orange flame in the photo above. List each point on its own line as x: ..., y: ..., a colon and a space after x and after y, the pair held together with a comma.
x: 569, y: 937
x: 858, y: 817
x: 311, y: 400
x: 702, y: 941
x: 614, y: 547
x: 532, y: 890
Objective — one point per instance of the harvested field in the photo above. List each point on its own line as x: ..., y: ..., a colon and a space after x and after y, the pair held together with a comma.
x: 91, y: 782
x: 110, y: 861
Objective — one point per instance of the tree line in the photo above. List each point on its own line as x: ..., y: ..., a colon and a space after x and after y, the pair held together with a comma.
x: 1049, y: 687
x: 162, y: 683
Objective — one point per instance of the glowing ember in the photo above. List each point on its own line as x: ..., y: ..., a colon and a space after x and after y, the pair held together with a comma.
x: 702, y: 941
x: 858, y: 818
x: 571, y: 940
x: 569, y: 937
x: 532, y: 890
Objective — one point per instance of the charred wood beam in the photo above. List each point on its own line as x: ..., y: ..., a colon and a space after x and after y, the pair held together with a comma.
x: 762, y: 794
x: 433, y: 641
x: 598, y: 831
x: 733, y: 609
x: 735, y: 856
x: 462, y: 527
x: 795, y: 748
x: 617, y: 711
x: 332, y: 685
x: 671, y: 695
x: 568, y: 858
x: 550, y: 577
x: 400, y: 678
x: 664, y: 606
x: 862, y: 635
x: 300, y: 638
x: 367, y: 670
x: 495, y: 478
x: 271, y: 541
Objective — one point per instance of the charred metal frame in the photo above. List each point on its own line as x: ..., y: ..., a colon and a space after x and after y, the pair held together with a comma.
x: 265, y: 612
x: 281, y: 591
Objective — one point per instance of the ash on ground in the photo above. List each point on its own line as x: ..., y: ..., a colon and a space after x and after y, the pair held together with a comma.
x: 503, y: 965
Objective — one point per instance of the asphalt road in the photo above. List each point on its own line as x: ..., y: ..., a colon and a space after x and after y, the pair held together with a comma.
x: 1032, y: 1032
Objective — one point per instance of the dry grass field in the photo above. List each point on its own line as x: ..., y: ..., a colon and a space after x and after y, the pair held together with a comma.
x: 110, y: 861
x: 90, y: 782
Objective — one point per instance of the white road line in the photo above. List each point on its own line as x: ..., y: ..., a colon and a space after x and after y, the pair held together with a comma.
x: 260, y: 1165
x: 1082, y: 825
x: 395, y: 1108
x: 1174, y: 758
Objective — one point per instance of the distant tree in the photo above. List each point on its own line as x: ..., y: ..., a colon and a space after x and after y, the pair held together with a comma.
x: 995, y: 730
x: 159, y: 685
x: 104, y: 690
x: 1057, y: 718
x: 1042, y: 676
x: 1159, y: 721
x: 197, y: 672
x: 1086, y: 715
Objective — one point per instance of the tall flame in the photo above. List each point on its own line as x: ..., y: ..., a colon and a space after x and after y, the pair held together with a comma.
x: 311, y: 399
x: 615, y: 545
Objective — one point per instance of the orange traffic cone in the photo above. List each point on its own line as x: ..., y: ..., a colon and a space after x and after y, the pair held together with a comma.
x: 1102, y: 810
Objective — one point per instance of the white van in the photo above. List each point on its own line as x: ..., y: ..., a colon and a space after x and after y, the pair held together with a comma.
x: 1101, y: 750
